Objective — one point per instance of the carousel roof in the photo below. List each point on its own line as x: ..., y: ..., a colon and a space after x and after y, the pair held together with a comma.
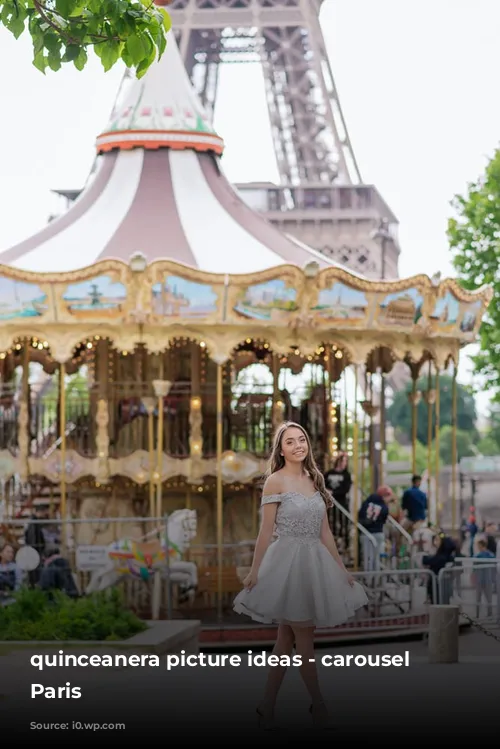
x: 159, y: 189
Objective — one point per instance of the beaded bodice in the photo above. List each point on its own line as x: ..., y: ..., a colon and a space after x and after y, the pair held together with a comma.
x: 297, y: 515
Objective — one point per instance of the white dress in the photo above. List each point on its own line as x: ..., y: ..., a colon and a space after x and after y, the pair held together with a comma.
x: 299, y: 582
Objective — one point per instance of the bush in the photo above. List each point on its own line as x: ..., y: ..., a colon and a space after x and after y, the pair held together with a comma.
x: 37, y: 615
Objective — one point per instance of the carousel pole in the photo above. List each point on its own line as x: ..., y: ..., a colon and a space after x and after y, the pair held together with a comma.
x: 436, y: 446
x: 159, y: 456
x: 364, y: 441
x: 345, y: 439
x: 429, y: 399
x: 333, y: 436
x: 161, y: 389
x: 414, y: 399
x: 151, y: 449
x: 454, y: 450
x: 382, y: 439
x: 62, y: 427
x: 355, y: 470
x: 219, y: 488
x: 371, y: 451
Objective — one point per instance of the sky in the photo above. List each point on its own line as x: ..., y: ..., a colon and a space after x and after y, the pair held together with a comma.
x: 417, y: 83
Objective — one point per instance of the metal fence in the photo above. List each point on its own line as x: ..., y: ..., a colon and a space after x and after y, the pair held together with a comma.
x: 185, y: 582
x: 474, y: 585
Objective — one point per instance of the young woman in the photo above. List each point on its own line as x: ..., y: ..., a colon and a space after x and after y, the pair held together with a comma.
x: 299, y: 580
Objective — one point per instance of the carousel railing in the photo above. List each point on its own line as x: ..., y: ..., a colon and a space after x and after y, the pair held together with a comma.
x: 9, y: 417
x: 247, y: 419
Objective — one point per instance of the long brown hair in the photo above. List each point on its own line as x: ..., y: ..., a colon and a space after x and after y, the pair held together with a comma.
x: 277, y: 461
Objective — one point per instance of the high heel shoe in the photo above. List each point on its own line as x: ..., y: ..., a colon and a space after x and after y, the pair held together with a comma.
x: 265, y: 723
x: 323, y: 721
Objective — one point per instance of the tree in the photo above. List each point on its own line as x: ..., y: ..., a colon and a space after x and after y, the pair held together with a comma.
x: 465, y: 445
x: 397, y: 453
x: 399, y: 412
x: 474, y: 237
x: 63, y: 31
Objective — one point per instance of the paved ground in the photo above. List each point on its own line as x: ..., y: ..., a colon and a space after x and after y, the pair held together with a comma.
x: 202, y: 702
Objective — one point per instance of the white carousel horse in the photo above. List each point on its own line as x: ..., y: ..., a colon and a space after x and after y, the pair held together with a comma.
x: 140, y: 558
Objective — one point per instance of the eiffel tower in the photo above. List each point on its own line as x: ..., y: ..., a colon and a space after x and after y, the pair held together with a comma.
x: 321, y: 199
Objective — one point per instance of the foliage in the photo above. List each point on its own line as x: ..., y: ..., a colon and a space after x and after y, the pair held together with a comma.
x: 77, y: 397
x: 37, y: 615
x: 474, y: 237
x: 488, y: 446
x: 63, y: 31
x: 465, y: 445
x: 490, y: 442
x: 397, y: 453
x: 399, y: 412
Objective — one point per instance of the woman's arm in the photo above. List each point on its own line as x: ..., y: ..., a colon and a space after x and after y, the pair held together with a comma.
x: 265, y: 535
x: 270, y: 502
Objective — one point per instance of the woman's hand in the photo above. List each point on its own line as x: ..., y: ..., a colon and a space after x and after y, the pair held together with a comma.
x: 250, y: 580
x: 350, y: 580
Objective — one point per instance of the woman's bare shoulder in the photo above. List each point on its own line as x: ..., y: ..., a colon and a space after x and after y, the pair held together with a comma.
x: 273, y: 484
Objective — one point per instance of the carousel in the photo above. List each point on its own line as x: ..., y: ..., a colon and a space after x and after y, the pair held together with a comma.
x: 154, y: 335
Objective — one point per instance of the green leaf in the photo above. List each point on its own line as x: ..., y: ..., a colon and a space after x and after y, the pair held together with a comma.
x: 72, y: 52
x: 65, y: 7
x: 135, y: 48
x: 133, y: 31
x: 39, y: 61
x: 110, y: 53
x: 81, y: 60
x: 54, y: 61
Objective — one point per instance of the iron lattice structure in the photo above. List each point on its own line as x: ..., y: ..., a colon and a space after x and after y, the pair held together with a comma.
x: 321, y: 198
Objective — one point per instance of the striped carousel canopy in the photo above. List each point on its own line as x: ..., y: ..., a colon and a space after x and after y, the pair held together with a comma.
x: 159, y: 189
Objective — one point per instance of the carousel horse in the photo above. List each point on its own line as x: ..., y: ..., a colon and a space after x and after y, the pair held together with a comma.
x: 141, y: 558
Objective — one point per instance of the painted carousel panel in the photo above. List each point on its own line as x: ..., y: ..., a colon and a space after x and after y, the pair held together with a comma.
x: 271, y: 301
x: 401, y: 309
x: 342, y: 303
x: 446, y: 313
x: 20, y: 300
x: 177, y: 297
x: 470, y: 315
x: 99, y: 297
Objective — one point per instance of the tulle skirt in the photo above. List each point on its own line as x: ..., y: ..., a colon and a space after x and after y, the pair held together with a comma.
x: 300, y: 583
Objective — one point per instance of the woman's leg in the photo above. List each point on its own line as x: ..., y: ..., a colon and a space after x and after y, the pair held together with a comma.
x: 283, y: 646
x: 304, y: 644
